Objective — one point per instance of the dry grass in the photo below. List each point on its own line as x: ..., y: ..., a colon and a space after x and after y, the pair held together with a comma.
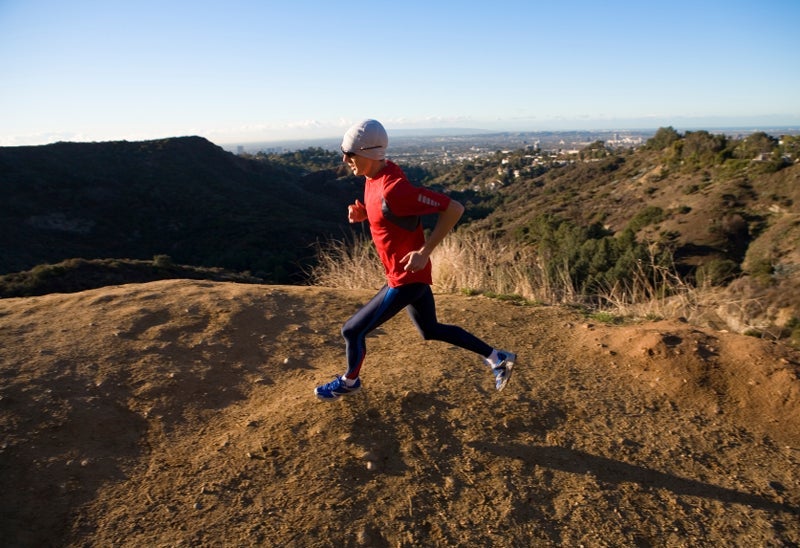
x: 347, y: 264
x: 466, y: 262
x: 657, y: 291
x: 654, y: 291
x: 473, y: 262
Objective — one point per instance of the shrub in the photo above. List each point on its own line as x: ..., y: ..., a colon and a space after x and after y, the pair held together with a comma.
x: 793, y: 328
x: 663, y: 138
x: 717, y: 272
x: 163, y: 261
x: 648, y: 216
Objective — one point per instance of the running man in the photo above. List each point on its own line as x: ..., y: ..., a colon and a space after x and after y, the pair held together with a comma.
x: 393, y: 207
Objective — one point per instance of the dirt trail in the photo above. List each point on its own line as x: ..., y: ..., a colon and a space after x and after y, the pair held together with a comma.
x: 181, y: 413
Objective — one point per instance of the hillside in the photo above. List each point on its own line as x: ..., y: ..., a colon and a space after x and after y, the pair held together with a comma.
x: 715, y: 212
x: 185, y: 198
x: 726, y: 222
x: 180, y: 413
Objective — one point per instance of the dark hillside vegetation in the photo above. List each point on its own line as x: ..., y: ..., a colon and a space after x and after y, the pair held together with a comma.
x: 74, y: 275
x: 181, y: 197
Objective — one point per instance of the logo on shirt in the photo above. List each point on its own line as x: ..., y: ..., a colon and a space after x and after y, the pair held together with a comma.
x: 427, y: 201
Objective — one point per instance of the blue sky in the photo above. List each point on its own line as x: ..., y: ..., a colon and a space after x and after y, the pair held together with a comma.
x: 241, y: 71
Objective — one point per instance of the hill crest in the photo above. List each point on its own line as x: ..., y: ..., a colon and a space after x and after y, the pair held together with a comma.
x: 182, y: 412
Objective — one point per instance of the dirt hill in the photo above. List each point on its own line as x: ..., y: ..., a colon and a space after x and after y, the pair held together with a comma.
x: 181, y: 413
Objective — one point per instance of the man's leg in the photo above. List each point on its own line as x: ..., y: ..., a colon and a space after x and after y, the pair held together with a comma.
x: 423, y: 313
x: 385, y: 304
x: 422, y: 310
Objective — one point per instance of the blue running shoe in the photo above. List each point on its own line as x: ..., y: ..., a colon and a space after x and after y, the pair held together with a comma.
x: 502, y: 372
x: 336, y: 388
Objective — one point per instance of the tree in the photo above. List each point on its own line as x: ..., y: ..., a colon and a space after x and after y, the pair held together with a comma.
x: 663, y: 138
x: 594, y: 150
x: 790, y: 145
x: 756, y: 144
x: 703, y: 148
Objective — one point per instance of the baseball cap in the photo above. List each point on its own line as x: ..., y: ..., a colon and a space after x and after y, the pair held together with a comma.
x: 367, y: 138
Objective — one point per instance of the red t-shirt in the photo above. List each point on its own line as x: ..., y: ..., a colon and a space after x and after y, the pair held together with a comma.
x: 394, y: 207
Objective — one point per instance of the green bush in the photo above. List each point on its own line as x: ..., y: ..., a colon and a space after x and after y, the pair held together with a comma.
x: 717, y: 272
x: 594, y: 258
x: 663, y: 138
x: 648, y: 216
x: 163, y: 261
x: 793, y: 329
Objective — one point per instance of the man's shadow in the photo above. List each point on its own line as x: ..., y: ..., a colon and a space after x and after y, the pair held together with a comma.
x: 617, y: 472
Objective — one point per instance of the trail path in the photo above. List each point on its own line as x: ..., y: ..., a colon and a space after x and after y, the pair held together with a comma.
x: 181, y: 413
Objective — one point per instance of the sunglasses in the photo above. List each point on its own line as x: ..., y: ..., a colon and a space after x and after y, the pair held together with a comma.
x: 348, y: 154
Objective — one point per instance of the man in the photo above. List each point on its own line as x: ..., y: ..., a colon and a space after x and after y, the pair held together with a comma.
x: 393, y: 207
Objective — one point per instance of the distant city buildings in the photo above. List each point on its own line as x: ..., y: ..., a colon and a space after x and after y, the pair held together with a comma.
x: 625, y: 141
x: 453, y: 148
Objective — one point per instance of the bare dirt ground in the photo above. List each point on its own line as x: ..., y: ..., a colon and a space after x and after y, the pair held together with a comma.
x: 181, y: 413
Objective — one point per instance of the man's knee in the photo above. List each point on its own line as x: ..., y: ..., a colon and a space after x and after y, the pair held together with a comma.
x: 429, y: 333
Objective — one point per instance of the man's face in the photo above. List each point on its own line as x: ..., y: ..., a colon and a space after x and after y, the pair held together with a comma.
x: 359, y: 164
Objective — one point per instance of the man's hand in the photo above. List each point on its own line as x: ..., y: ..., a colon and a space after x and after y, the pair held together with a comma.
x: 414, y: 261
x: 356, y: 212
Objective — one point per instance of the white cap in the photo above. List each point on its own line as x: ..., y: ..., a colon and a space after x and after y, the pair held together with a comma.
x: 367, y: 139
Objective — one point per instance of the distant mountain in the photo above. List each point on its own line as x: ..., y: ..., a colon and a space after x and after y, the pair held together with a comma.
x: 399, y: 138
x: 181, y: 197
x: 440, y: 131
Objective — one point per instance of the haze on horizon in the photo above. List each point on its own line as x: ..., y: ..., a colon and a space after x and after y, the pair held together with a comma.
x: 248, y: 71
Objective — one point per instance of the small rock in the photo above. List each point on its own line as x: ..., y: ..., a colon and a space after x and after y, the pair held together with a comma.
x: 363, y: 538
